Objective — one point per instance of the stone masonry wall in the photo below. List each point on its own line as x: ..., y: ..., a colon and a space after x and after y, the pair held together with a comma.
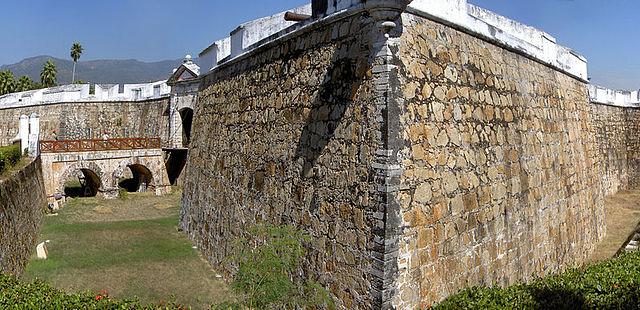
x: 612, y: 134
x: 91, y: 120
x: 286, y: 136
x: 501, y: 174
x: 633, y: 147
x: 618, y: 146
x: 22, y: 201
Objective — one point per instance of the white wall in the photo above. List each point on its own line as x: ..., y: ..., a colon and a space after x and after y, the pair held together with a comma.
x: 80, y: 93
x: 249, y: 33
x: 621, y: 98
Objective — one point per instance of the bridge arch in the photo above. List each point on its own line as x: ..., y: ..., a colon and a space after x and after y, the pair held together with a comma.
x: 103, y: 162
x: 92, y: 173
x: 144, y: 176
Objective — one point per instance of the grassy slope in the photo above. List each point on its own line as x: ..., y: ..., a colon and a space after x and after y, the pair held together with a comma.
x: 94, y: 247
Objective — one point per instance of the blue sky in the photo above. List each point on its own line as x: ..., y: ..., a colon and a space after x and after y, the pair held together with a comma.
x: 605, y: 31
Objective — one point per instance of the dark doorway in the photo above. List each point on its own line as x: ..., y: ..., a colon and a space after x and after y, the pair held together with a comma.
x: 176, y: 160
x: 186, y: 115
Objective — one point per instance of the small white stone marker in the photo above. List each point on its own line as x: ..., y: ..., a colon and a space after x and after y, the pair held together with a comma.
x: 41, y: 250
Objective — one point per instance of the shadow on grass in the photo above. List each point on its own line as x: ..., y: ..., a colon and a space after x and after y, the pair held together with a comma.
x: 557, y: 298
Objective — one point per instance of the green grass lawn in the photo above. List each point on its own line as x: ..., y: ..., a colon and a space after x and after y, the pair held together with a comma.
x: 128, y: 247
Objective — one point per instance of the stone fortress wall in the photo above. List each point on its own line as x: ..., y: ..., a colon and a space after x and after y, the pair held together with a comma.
x: 22, y: 202
x: 462, y: 150
x: 615, y: 115
x: 73, y: 112
x: 501, y: 176
x: 294, y: 129
x: 617, y: 123
x: 91, y: 120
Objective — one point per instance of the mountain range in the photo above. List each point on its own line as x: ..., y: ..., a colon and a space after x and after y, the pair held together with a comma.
x: 108, y: 71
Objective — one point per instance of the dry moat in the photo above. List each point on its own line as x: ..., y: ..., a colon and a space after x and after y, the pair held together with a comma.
x: 129, y: 247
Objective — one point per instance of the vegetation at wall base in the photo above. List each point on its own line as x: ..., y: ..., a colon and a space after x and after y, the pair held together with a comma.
x: 123, y: 193
x: 267, y: 265
x: 9, y: 156
x: 612, y: 284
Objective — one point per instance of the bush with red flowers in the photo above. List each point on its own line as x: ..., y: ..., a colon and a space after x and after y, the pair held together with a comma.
x: 16, y: 294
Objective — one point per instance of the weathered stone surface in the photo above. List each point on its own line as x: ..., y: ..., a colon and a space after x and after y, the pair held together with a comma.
x: 22, y: 200
x: 442, y: 162
x: 108, y: 167
x: 292, y: 132
x: 618, y: 143
x: 92, y: 120
x: 516, y: 175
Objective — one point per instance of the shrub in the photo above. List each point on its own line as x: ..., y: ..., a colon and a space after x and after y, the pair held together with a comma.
x: 123, y: 193
x: 15, y: 294
x: 267, y: 265
x: 613, y: 284
x: 9, y: 156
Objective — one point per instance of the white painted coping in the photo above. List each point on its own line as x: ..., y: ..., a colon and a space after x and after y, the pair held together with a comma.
x: 620, y: 98
x: 80, y: 93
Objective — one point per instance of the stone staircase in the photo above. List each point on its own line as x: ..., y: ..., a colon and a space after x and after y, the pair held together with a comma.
x: 633, y: 242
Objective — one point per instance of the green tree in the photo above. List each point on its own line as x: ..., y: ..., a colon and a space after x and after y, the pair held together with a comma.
x: 25, y: 83
x: 48, y: 74
x: 7, y: 83
x: 76, y: 52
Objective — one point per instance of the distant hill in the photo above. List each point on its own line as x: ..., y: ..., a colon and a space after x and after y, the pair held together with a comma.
x: 97, y: 71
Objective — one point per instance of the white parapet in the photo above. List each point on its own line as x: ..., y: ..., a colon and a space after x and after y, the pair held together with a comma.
x: 212, y: 55
x: 620, y: 98
x: 246, y: 35
x: 103, y: 92
x: 333, y: 6
x: 503, y: 31
x: 459, y: 14
x: 81, y: 93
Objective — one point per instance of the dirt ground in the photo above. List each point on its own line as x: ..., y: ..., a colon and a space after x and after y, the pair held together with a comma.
x: 138, y: 206
x: 622, y: 219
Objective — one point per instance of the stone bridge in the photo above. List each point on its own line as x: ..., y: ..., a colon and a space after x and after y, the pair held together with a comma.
x: 103, y: 166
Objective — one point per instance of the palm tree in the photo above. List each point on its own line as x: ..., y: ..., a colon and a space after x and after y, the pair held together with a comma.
x: 76, y: 52
x: 25, y: 83
x: 48, y: 74
x: 7, y: 83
